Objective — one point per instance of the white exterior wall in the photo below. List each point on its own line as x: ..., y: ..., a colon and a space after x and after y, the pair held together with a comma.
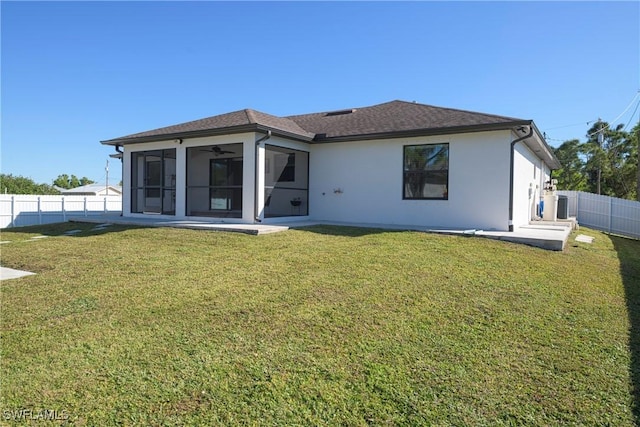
x: 363, y: 182
x: 530, y: 174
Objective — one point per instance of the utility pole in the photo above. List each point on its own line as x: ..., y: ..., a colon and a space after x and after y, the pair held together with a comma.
x: 600, y: 141
x: 107, y: 170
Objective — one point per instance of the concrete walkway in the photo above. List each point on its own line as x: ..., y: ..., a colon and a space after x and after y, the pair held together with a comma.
x: 552, y: 236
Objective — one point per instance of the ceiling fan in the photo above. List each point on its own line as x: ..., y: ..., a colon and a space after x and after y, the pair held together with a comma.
x: 217, y: 150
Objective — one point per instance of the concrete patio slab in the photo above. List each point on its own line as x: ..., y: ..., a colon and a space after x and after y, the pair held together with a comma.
x: 254, y: 229
x: 10, y: 273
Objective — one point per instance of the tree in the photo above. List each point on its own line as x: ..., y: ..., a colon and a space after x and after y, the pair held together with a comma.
x: 66, y: 181
x: 610, y: 161
x: 86, y: 181
x: 606, y: 163
x: 628, y: 168
x: 21, y: 185
x: 594, y: 150
x: 572, y: 175
x: 634, y: 156
x: 62, y: 181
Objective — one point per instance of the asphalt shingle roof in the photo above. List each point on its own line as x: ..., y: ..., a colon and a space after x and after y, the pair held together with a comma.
x: 236, y: 119
x: 394, y: 116
x: 377, y: 120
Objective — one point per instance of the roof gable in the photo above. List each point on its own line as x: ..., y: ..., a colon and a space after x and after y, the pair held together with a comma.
x: 394, y: 117
x: 236, y: 121
x: 235, y: 118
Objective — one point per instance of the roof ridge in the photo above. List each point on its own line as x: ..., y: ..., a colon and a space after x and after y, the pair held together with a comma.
x: 250, y: 115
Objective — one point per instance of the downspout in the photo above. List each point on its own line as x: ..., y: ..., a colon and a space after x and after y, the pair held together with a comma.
x: 256, y: 214
x: 511, y: 167
x: 119, y: 150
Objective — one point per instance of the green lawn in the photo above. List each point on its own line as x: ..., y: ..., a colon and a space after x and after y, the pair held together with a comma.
x: 323, y: 326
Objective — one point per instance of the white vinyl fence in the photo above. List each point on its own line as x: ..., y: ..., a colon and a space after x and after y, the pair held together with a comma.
x: 18, y: 210
x: 610, y: 214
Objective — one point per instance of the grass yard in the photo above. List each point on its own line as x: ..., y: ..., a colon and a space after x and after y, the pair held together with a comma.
x: 323, y: 326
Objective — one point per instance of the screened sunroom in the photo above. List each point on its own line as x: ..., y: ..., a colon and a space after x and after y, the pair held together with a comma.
x: 214, y: 181
x: 286, y: 183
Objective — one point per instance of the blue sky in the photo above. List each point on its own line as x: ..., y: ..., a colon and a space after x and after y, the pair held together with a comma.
x: 75, y: 73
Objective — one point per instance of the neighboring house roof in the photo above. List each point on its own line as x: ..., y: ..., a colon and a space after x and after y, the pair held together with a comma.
x: 91, y: 189
x: 388, y: 120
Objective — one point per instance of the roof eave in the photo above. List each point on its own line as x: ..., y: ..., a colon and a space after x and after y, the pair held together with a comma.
x: 286, y: 134
x: 423, y: 132
x: 542, y: 149
x: 253, y: 127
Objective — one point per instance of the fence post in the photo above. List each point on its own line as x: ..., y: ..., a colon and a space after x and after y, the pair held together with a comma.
x: 577, y: 206
x: 105, y: 205
x: 64, y: 214
x: 39, y: 211
x: 610, y: 214
x: 13, y: 211
x: 85, y: 206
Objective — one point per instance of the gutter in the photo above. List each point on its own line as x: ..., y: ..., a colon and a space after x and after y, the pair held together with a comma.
x: 118, y: 154
x: 511, y: 167
x: 256, y: 214
x: 323, y: 139
x: 252, y: 127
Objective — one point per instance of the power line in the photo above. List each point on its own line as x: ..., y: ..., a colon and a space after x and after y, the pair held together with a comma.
x: 554, y: 139
x: 628, y: 106
x: 598, y: 119
x: 631, y: 118
x: 614, y: 120
x: 575, y: 124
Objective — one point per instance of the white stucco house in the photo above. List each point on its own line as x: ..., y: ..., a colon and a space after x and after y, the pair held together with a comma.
x: 397, y: 163
x: 92, y: 190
